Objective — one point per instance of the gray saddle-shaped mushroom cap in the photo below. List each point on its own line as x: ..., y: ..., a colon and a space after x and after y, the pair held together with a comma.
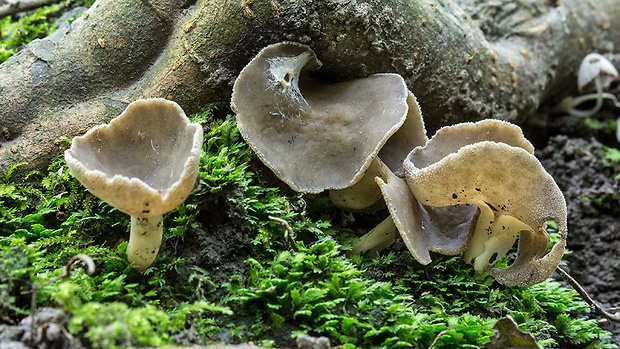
x: 507, y: 183
x: 365, y: 194
x: 410, y: 135
x: 144, y: 162
x: 314, y: 136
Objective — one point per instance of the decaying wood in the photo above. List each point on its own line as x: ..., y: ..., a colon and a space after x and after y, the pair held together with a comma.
x: 464, y: 60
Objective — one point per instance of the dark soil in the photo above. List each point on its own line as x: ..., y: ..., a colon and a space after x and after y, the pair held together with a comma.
x: 588, y: 181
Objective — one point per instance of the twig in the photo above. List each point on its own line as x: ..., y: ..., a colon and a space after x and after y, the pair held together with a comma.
x: 288, y: 235
x: 33, y: 308
x: 437, y: 338
x: 16, y: 6
x: 125, y: 329
x: 66, y: 270
x: 597, y: 308
x: 111, y: 257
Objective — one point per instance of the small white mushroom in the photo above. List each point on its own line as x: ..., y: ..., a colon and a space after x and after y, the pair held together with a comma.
x: 144, y: 163
x: 596, y: 73
x: 595, y: 70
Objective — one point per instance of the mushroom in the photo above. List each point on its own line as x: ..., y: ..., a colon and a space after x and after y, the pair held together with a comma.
x: 410, y: 135
x: 376, y: 240
x: 316, y: 136
x: 513, y: 192
x: 144, y: 163
x: 362, y: 196
x: 365, y: 195
x: 596, y: 73
x: 446, y: 230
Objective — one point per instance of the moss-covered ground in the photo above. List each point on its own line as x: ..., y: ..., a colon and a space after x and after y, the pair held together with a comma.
x: 18, y: 30
x: 225, y: 273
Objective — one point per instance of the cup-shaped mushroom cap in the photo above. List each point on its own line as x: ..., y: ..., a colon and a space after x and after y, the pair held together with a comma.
x: 144, y: 162
x: 514, y: 193
x: 314, y: 136
x: 592, y: 67
x: 446, y: 230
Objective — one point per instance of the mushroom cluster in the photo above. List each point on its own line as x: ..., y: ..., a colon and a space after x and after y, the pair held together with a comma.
x: 491, y: 165
x: 144, y: 163
x: 473, y: 187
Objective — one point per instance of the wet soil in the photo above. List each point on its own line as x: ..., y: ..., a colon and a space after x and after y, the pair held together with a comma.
x: 576, y: 159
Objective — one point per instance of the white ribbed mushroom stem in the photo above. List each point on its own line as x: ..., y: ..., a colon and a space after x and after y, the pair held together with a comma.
x: 376, y: 240
x: 144, y: 241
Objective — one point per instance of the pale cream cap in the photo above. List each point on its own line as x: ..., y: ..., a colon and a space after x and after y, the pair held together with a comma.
x: 144, y: 162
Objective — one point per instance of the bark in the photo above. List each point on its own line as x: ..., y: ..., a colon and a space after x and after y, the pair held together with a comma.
x: 464, y: 60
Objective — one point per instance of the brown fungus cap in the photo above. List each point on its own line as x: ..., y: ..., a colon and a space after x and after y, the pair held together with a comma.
x: 314, y: 136
x: 450, y: 139
x: 144, y: 162
x: 514, y: 193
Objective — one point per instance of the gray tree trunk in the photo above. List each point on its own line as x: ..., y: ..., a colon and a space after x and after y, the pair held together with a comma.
x: 464, y: 60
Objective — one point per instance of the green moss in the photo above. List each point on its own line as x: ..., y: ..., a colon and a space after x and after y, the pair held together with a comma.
x: 21, y: 29
x: 116, y: 325
x: 225, y: 272
x: 595, y: 124
x: 15, y: 277
x: 25, y: 29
